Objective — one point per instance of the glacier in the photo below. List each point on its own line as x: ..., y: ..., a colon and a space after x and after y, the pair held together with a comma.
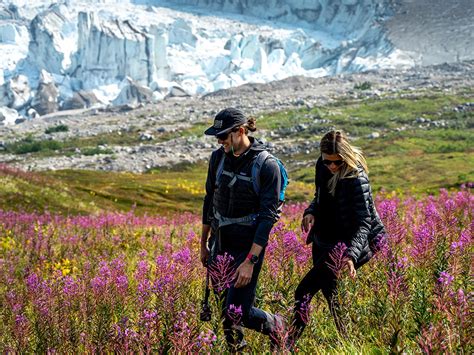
x: 58, y: 55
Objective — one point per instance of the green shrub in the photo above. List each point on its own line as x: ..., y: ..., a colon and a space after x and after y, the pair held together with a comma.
x: 58, y: 128
x: 28, y: 145
x: 95, y: 150
x: 366, y: 85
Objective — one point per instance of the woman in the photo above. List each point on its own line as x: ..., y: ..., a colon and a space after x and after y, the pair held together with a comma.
x: 342, y: 212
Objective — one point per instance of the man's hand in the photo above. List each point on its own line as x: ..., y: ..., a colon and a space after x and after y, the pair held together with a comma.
x: 307, y: 223
x: 243, y: 274
x: 352, y: 270
x: 205, y: 254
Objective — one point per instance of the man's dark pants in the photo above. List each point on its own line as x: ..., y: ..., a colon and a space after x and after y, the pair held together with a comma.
x: 244, y: 297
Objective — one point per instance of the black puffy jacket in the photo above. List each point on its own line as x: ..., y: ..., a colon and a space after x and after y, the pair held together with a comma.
x: 359, y: 225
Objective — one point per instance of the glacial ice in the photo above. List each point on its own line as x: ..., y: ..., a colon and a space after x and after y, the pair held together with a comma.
x: 132, y: 51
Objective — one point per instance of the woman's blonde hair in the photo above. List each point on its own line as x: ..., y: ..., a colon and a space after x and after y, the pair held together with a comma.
x: 334, y: 142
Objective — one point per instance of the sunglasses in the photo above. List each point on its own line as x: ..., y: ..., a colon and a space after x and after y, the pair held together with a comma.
x: 223, y: 136
x: 336, y: 162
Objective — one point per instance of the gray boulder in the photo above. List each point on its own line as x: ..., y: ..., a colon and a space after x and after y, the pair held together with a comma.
x: 177, y: 91
x: 46, y: 99
x: 132, y: 93
x: 80, y: 99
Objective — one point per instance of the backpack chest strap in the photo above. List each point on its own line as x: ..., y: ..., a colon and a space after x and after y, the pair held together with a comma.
x: 234, y: 177
x: 249, y: 220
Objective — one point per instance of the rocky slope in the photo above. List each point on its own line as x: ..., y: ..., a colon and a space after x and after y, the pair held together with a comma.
x: 175, y: 115
x: 431, y: 32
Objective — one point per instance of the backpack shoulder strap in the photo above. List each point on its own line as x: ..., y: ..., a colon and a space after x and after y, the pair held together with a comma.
x: 257, y: 166
x: 220, y: 167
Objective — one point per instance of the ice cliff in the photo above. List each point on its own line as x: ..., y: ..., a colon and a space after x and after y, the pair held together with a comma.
x: 72, y: 54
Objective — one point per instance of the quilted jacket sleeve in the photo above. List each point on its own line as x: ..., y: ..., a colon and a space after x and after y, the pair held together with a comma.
x: 358, y: 188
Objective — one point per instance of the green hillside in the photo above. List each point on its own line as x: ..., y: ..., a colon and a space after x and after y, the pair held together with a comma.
x: 425, y: 143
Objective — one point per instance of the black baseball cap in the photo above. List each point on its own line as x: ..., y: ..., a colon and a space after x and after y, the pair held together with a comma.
x: 225, y: 120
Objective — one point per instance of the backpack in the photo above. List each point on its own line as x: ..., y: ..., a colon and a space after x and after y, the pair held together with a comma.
x: 255, y: 175
x: 254, y: 178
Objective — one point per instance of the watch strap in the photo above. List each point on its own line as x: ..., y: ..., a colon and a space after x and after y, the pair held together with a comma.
x: 252, y: 258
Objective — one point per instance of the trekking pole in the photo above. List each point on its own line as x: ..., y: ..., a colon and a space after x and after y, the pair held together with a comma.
x: 205, y: 315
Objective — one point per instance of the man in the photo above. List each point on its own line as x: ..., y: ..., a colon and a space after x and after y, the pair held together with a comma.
x: 240, y: 219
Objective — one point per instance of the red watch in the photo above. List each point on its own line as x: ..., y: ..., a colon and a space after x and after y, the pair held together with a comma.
x: 252, y: 258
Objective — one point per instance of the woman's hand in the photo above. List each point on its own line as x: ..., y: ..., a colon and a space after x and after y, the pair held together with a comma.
x: 205, y: 254
x: 307, y: 223
x: 351, y: 267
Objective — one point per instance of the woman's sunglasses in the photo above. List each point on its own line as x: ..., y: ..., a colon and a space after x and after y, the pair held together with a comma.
x: 336, y: 162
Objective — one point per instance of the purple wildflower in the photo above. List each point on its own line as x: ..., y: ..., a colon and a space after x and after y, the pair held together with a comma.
x: 445, y: 279
x: 338, y: 259
x: 234, y: 314
x: 222, y: 272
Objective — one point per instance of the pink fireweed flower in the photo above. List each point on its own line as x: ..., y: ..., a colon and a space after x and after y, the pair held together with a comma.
x: 164, y: 263
x: 148, y: 317
x: 304, y: 309
x: 423, y: 241
x: 445, y: 279
x: 143, y: 289
x: 234, y: 314
x: 338, y: 259
x: 121, y: 283
x: 104, y: 270
x: 14, y: 301
x: 21, y: 322
x: 463, y: 242
x: 99, y: 285
x: 70, y: 288
x: 277, y: 228
x: 162, y: 283
x: 183, y: 336
x: 182, y: 257
x: 142, y: 269
x: 191, y: 236
x: 40, y: 293
x: 463, y: 305
x: 293, y: 248
x: 21, y: 329
x: 206, y: 339
x: 124, y: 335
x: 389, y: 213
x: 284, y: 251
x: 181, y: 326
x: 118, y: 266
x: 402, y: 263
x: 396, y: 280
x: 221, y: 271
x: 144, y: 284
x: 33, y: 282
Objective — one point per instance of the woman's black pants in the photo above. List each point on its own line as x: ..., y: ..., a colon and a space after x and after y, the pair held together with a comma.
x: 320, y: 277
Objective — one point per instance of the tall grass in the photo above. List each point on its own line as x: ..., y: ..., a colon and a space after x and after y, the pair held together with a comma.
x: 123, y: 283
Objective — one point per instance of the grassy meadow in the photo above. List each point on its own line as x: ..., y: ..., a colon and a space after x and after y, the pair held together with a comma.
x: 107, y: 262
x: 424, y: 145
